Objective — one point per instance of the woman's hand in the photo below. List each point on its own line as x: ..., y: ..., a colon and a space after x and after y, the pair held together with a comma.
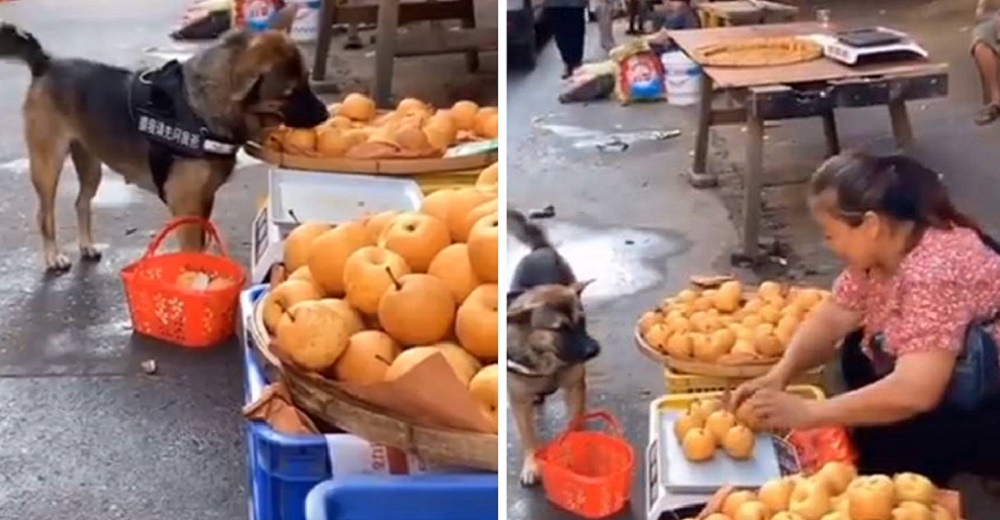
x: 773, y: 380
x: 777, y: 409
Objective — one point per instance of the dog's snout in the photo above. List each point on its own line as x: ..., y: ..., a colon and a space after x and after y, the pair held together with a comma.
x: 579, y: 346
x: 304, y: 110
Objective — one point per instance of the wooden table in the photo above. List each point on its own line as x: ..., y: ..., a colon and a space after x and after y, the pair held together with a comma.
x: 810, y: 89
x: 389, y: 15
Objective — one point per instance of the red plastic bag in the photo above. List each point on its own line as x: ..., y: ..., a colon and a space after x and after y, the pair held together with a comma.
x: 817, y: 446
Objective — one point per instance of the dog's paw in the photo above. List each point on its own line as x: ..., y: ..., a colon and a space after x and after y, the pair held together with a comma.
x: 529, y: 472
x: 57, y: 263
x: 90, y: 252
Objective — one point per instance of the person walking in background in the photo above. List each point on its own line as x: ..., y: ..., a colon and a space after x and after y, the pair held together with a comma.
x: 986, y: 53
x: 605, y: 20
x: 567, y: 20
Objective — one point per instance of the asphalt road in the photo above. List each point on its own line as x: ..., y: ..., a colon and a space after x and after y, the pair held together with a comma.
x: 84, y: 433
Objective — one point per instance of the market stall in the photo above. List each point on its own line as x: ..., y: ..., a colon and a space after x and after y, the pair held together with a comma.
x: 710, y: 459
x: 375, y: 255
x: 826, y: 77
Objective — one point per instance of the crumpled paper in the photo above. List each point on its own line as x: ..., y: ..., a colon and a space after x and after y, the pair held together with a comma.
x: 276, y: 409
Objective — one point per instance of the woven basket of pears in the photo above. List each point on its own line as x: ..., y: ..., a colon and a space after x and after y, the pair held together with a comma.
x: 396, y: 414
x: 413, y: 139
x: 720, y: 328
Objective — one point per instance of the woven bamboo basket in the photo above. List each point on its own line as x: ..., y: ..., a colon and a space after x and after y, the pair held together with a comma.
x: 328, y: 403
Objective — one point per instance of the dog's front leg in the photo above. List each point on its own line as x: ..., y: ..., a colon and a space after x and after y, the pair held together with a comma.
x: 190, y: 192
x: 576, y: 395
x: 524, y: 414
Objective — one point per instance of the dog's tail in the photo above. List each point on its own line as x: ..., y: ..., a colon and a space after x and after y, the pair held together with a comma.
x: 526, y: 231
x: 16, y: 44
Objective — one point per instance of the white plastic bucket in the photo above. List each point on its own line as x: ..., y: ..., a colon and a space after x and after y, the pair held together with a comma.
x: 683, y: 78
x: 306, y: 26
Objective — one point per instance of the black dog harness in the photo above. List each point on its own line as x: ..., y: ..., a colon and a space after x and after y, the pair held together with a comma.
x: 161, y: 112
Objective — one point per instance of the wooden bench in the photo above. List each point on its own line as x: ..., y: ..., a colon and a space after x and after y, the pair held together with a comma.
x: 389, y: 15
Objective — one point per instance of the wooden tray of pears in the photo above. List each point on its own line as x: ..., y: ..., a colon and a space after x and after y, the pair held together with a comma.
x: 720, y: 328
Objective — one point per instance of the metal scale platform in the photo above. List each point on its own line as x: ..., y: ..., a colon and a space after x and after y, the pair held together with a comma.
x: 858, y: 46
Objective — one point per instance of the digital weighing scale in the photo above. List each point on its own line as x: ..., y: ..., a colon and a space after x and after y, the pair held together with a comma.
x: 685, y: 484
x: 867, y: 44
x: 305, y: 196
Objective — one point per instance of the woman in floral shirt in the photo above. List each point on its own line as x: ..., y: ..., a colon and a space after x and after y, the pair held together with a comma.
x: 918, y: 274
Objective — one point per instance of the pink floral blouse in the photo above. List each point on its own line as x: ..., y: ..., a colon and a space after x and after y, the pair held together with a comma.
x: 949, y: 280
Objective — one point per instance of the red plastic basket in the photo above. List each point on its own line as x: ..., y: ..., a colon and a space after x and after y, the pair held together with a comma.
x: 588, y: 473
x: 165, y: 310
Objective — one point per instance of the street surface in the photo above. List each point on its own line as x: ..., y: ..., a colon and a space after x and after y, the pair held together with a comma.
x: 628, y: 220
x: 84, y: 433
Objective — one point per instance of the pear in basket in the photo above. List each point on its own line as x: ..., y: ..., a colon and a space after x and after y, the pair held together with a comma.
x: 312, y: 335
x: 357, y: 107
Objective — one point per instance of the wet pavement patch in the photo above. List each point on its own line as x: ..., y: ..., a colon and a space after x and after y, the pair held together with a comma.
x: 621, y: 260
x: 603, y: 140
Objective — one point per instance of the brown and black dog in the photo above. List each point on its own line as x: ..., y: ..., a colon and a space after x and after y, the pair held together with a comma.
x: 174, y: 130
x: 547, y: 341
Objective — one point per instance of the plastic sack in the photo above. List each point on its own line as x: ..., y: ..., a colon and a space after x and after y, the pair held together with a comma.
x: 640, y: 75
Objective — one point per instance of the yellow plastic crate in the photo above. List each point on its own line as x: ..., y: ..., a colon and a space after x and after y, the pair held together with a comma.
x: 688, y: 383
x: 682, y: 401
x: 431, y: 182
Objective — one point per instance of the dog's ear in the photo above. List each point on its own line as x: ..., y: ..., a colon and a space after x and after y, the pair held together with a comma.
x: 544, y: 317
x: 284, y: 19
x: 518, y: 312
x: 578, y: 287
x: 264, y: 52
x: 513, y: 295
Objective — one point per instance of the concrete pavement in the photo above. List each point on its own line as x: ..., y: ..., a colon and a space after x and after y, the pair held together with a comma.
x: 84, y: 433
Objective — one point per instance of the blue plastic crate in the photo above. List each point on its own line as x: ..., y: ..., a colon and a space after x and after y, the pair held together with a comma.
x: 420, y: 497
x: 283, y: 469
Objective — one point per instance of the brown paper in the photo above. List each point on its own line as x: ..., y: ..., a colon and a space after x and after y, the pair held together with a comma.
x: 276, y: 409
x: 429, y: 395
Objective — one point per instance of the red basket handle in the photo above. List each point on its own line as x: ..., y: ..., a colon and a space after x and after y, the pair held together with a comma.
x: 612, y: 423
x: 213, y: 234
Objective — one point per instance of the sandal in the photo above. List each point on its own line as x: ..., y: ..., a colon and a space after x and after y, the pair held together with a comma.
x: 988, y: 114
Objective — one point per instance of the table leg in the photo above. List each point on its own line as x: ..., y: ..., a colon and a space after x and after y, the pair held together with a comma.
x: 385, y: 51
x: 699, y: 177
x: 752, y: 186
x: 323, y: 40
x: 901, y: 128
x: 830, y: 133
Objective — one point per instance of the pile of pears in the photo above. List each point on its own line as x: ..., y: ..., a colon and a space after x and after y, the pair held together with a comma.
x: 707, y: 425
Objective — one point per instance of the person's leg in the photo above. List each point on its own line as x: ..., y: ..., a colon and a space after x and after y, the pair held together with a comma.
x: 576, y: 30
x: 919, y: 445
x: 634, y: 16
x: 983, y: 432
x: 936, y: 445
x: 985, y: 45
x: 557, y: 20
x: 605, y: 24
